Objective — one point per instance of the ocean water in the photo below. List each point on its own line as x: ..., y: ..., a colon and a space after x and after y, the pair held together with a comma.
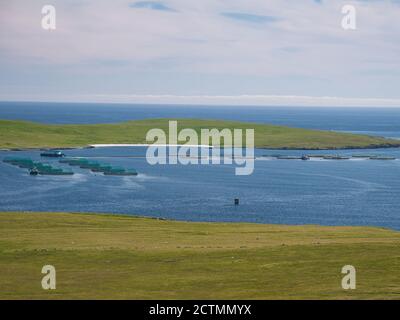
x: 325, y: 192
x: 374, y: 121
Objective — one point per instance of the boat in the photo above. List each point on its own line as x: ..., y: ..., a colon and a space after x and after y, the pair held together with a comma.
x: 33, y: 171
x: 52, y: 154
x: 305, y: 157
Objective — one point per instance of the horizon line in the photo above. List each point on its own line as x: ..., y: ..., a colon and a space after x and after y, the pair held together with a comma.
x: 213, y: 100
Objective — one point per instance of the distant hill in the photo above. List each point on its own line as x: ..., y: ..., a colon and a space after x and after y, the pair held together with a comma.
x: 23, y: 134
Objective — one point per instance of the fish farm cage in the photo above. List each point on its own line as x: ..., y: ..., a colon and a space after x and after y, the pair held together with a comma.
x: 99, y: 167
x: 330, y: 157
x: 36, y: 167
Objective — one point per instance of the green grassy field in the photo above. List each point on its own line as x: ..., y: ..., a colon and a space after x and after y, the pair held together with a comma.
x: 21, y: 134
x: 120, y: 257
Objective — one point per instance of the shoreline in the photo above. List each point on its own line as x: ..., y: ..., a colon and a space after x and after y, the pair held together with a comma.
x: 112, y: 145
x: 150, y: 218
x: 24, y: 135
x: 93, y: 146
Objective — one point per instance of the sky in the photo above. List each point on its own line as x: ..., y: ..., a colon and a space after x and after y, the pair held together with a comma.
x: 239, y: 52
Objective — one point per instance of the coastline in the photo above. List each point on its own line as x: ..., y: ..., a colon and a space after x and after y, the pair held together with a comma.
x: 24, y: 135
x: 205, y: 222
x: 383, y: 146
x: 93, y: 146
x: 372, y: 147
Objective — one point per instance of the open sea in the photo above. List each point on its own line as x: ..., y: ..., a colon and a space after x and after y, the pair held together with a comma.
x: 325, y: 192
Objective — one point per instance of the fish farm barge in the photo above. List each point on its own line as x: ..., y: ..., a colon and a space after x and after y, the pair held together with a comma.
x: 52, y: 154
x: 329, y: 157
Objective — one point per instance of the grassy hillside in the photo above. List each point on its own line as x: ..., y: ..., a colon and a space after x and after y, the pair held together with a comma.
x: 103, y: 256
x: 21, y: 134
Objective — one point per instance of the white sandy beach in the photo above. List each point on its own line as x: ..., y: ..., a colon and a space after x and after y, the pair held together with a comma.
x: 148, y: 145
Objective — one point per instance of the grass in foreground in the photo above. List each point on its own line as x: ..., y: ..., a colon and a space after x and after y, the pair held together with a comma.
x: 22, y: 134
x: 118, y: 257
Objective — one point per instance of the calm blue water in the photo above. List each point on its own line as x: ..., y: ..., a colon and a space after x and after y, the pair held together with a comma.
x: 348, y: 192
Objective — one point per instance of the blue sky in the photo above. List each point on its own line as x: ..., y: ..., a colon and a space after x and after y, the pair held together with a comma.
x: 209, y: 51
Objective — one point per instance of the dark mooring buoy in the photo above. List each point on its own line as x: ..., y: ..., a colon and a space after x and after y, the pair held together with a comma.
x: 236, y: 201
